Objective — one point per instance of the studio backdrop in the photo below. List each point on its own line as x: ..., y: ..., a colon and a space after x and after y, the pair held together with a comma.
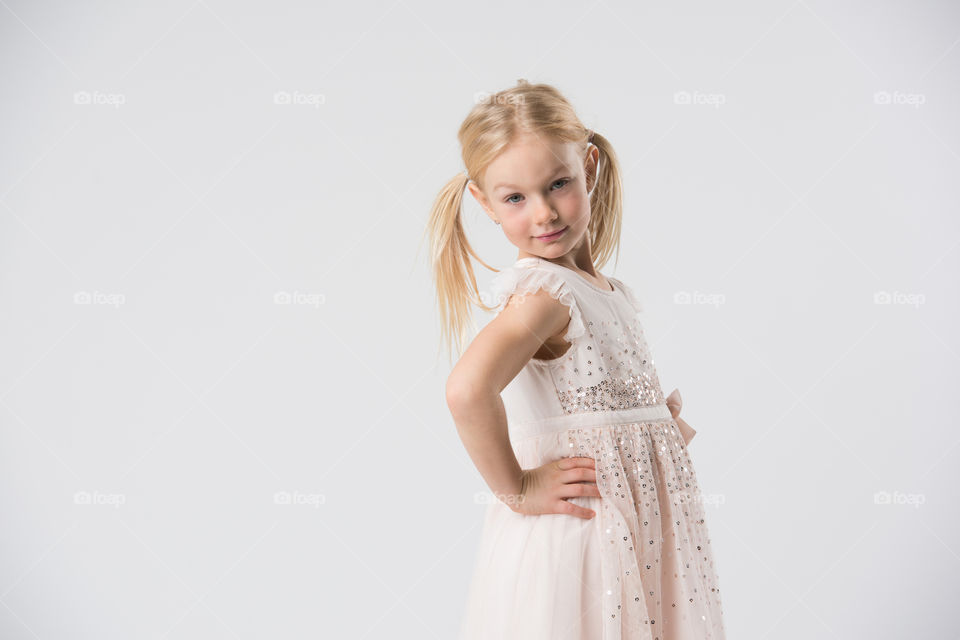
x: 221, y: 386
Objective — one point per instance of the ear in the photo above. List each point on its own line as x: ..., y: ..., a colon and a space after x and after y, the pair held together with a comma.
x: 590, y: 166
x: 482, y: 199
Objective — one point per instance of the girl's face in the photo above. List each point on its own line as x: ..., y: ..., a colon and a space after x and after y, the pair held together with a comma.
x: 538, y: 190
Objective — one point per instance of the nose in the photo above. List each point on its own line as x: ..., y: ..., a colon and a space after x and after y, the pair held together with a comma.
x: 544, y: 212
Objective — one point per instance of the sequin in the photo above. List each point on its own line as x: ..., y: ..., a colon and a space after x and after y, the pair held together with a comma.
x: 636, y: 390
x: 651, y: 545
x: 646, y: 512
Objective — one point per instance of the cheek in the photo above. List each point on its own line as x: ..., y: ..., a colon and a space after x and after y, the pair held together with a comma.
x: 513, y: 226
x: 578, y: 208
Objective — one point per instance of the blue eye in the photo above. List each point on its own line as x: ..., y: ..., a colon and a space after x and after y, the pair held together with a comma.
x: 517, y: 195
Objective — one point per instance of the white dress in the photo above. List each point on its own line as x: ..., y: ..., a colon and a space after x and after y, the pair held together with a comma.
x: 642, y: 568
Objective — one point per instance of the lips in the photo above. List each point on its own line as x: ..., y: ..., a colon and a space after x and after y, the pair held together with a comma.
x: 552, y: 235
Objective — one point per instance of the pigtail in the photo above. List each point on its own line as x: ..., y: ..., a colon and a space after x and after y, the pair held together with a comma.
x: 606, y: 204
x: 453, y: 274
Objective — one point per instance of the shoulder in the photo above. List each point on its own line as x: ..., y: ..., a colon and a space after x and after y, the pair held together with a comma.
x: 526, y: 280
x: 628, y: 293
x: 527, y: 276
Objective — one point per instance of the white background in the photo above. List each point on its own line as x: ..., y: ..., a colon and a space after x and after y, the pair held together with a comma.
x: 148, y: 224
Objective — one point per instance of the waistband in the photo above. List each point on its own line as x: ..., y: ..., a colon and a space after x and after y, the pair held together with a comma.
x: 552, y: 424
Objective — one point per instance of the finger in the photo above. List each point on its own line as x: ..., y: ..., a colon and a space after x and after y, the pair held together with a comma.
x: 579, y: 474
x: 578, y: 490
x: 573, y: 463
x: 575, y: 510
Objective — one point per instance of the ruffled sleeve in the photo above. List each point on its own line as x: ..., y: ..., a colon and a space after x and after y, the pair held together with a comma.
x: 529, y: 279
x: 628, y: 292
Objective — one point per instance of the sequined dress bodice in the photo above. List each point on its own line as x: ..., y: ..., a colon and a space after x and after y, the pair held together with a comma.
x: 608, y: 366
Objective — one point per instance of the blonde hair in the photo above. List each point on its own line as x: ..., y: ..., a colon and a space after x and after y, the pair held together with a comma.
x: 488, y: 129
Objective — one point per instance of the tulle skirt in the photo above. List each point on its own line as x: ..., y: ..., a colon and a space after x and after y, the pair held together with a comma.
x: 642, y: 568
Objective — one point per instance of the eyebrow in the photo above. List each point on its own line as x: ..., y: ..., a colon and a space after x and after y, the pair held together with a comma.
x: 554, y: 171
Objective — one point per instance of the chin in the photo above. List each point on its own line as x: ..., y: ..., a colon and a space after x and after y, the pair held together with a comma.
x: 553, y: 251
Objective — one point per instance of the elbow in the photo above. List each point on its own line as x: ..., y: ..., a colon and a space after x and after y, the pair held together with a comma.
x: 462, y: 393
x: 457, y: 394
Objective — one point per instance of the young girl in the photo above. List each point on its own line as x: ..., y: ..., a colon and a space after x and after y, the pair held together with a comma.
x: 598, y: 531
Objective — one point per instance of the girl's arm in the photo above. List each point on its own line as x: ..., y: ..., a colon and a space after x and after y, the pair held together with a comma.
x: 493, y: 359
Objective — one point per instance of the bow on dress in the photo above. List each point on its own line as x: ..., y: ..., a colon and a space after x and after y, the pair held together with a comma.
x: 674, y: 403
